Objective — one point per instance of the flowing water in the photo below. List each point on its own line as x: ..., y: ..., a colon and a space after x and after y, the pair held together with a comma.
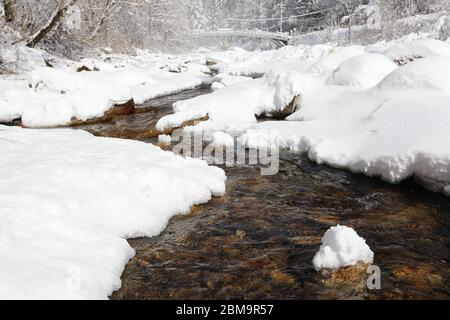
x: 258, y: 241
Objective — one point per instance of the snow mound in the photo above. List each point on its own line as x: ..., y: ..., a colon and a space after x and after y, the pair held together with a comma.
x: 342, y: 247
x: 430, y: 73
x: 330, y: 62
x: 365, y: 70
x: 69, y: 201
x: 409, y: 51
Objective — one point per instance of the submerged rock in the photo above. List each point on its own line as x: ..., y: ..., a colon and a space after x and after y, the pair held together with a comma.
x: 345, y: 282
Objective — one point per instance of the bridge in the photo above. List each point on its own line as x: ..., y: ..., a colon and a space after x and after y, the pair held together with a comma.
x: 280, y: 39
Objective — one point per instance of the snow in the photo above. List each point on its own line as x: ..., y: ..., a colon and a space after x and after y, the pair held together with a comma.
x: 57, y: 95
x: 342, y: 247
x: 366, y: 70
x: 367, y: 114
x: 286, y: 86
x: 330, y: 62
x: 381, y: 132
x: 430, y: 74
x: 236, y: 104
x: 20, y: 59
x: 222, y: 139
x: 70, y: 200
x: 223, y: 80
x: 235, y: 107
x: 165, y: 139
x: 239, y: 62
x: 422, y: 48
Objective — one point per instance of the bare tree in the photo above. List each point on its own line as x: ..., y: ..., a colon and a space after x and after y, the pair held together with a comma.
x: 53, y: 21
x: 107, y: 9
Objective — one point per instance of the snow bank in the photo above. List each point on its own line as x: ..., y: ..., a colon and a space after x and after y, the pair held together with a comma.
x: 234, y: 107
x: 121, y: 78
x: 69, y: 201
x: 381, y: 132
x: 342, y: 247
x: 59, y: 95
x: 368, y: 115
x: 236, y: 104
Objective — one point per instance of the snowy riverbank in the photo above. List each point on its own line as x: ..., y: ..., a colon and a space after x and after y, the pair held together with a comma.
x: 380, y: 110
x: 70, y: 201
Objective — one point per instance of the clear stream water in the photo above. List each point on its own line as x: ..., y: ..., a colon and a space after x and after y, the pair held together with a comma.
x: 258, y: 241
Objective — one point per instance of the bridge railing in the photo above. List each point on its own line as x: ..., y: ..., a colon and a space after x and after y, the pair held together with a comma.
x: 244, y: 33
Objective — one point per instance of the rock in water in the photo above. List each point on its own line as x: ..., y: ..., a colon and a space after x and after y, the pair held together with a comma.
x: 342, y: 247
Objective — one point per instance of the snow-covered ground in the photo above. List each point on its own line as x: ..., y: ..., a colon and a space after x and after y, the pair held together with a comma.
x: 70, y: 200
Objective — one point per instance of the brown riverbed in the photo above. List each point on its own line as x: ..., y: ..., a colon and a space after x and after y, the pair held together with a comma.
x: 258, y: 241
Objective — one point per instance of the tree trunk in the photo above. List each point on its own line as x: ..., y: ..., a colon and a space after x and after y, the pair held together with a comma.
x: 55, y: 18
x: 8, y: 8
x: 350, y: 30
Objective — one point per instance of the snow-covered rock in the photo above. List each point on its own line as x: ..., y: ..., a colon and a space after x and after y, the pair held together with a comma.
x: 70, y: 200
x: 164, y: 139
x: 431, y: 73
x: 405, y: 52
x: 287, y: 85
x: 342, y: 247
x: 365, y: 70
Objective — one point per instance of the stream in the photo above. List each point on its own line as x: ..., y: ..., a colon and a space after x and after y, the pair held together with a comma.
x: 258, y: 241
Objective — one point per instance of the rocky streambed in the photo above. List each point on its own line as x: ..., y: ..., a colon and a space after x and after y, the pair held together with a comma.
x: 258, y: 241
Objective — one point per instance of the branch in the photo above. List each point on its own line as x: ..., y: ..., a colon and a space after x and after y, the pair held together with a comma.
x: 59, y: 13
x: 109, y: 9
x: 9, y: 11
